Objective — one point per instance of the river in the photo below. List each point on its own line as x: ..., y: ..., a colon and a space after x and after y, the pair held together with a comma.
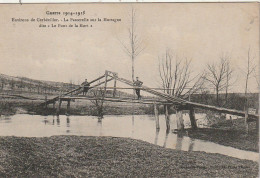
x: 141, y: 127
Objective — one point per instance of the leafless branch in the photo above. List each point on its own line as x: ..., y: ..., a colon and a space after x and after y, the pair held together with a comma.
x: 175, y: 74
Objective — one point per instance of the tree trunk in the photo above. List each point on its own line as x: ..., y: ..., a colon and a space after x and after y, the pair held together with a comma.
x: 192, y: 118
x: 217, y: 97
x: 167, y: 118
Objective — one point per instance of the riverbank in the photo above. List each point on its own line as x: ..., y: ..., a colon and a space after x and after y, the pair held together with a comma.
x: 229, y: 134
x: 14, y: 106
x: 78, y: 156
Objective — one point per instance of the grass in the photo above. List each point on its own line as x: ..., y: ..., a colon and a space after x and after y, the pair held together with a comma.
x: 78, y: 156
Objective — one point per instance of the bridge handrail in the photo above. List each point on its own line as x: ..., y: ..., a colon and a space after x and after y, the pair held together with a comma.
x: 57, y: 97
x: 193, y: 104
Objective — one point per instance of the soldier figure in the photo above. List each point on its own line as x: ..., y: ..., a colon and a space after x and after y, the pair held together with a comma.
x: 85, y: 86
x: 138, y: 83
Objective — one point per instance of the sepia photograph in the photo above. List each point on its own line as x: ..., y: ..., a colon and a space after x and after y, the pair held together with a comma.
x: 129, y: 90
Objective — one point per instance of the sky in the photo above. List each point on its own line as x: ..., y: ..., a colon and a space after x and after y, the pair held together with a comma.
x: 198, y: 31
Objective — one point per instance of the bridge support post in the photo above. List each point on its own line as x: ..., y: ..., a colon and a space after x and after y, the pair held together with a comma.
x: 246, y: 121
x: 68, y: 108
x: 179, y: 118
x: 100, y: 109
x: 59, y: 106
x: 192, y: 118
x: 53, y: 106
x: 156, y: 114
x: 45, y: 106
x: 114, y: 92
x: 167, y: 118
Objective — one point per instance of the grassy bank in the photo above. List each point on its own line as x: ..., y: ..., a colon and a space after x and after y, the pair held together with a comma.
x: 74, y: 156
x: 230, y: 134
x: 13, y: 106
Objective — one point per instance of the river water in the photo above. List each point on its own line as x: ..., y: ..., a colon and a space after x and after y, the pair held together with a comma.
x: 140, y: 127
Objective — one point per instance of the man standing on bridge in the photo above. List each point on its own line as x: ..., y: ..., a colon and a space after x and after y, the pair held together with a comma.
x: 138, y: 84
x: 85, y: 86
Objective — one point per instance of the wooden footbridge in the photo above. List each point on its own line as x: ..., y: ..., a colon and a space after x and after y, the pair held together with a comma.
x: 164, y: 99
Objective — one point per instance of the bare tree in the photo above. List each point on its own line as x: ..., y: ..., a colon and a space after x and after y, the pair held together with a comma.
x: 256, y: 76
x: 219, y: 76
x: 176, y: 75
x: 229, y: 75
x: 177, y: 80
x: 250, y: 68
x: 135, y: 45
x: 99, y: 94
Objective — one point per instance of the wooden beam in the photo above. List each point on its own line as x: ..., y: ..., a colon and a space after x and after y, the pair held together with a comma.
x: 179, y: 119
x: 114, y: 92
x: 120, y: 100
x: 100, y: 83
x: 192, y: 118
x: 68, y: 108
x: 156, y: 114
x: 167, y: 119
x: 59, y: 106
x: 104, y: 94
x: 163, y: 95
x: 45, y: 102
x: 74, y: 90
x: 193, y: 104
x: 97, y: 79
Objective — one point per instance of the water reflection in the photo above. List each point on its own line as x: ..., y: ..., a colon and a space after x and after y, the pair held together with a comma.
x: 133, y: 125
x: 100, y: 119
x: 179, y: 141
x: 45, y: 121
x: 68, y: 124
x: 166, y: 138
x: 53, y: 120
x: 99, y: 127
x: 58, y: 120
x: 191, y: 144
x: 137, y: 127
x: 156, y: 137
x: 5, y: 119
x: 68, y: 121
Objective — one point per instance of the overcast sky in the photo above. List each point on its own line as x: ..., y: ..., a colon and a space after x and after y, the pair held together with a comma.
x: 198, y: 31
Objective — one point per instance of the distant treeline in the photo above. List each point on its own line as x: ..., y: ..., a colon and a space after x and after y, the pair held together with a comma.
x: 233, y: 100
x: 8, y: 83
